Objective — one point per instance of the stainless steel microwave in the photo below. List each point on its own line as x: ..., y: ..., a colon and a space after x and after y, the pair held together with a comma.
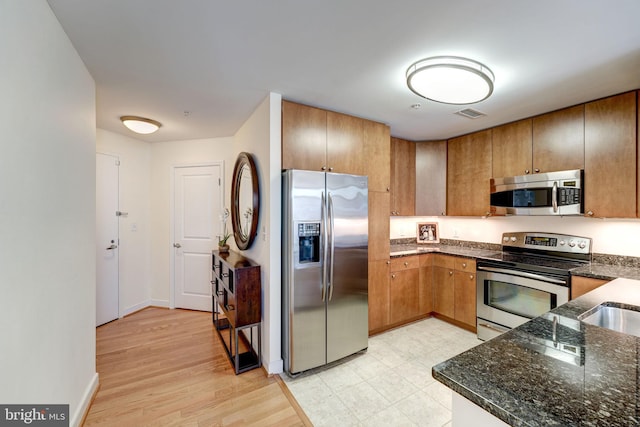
x: 551, y: 193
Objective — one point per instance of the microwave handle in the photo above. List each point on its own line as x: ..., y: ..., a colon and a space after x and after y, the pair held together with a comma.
x: 554, y: 197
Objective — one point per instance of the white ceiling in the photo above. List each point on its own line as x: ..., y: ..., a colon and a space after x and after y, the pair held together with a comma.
x: 219, y: 59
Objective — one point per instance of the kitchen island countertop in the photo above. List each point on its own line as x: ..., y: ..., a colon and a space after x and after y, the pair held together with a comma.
x: 581, y: 375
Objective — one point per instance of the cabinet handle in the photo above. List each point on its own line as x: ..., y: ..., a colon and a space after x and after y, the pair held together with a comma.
x: 526, y: 171
x: 464, y: 265
x: 388, y: 189
x: 388, y: 262
x: 471, y: 276
x: 590, y: 213
x: 393, y: 276
x: 451, y: 273
x: 231, y: 307
x: 219, y: 293
x: 324, y: 168
x: 225, y: 274
x: 330, y: 169
x: 536, y: 170
x: 406, y: 264
x: 442, y: 213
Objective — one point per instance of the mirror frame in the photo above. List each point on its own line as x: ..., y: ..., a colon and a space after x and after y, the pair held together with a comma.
x: 244, y: 159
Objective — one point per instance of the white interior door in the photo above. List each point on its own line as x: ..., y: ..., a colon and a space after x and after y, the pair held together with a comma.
x: 197, y: 208
x: 107, y: 294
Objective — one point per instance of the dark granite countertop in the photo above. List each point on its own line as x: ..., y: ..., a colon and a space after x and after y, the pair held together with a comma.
x: 625, y: 267
x: 477, y: 253
x: 589, y: 376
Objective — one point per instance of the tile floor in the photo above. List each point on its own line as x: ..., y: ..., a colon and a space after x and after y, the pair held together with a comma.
x: 390, y: 384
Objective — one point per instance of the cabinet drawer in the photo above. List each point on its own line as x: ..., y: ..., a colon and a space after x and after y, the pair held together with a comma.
x: 465, y: 264
x: 444, y: 261
x: 405, y: 263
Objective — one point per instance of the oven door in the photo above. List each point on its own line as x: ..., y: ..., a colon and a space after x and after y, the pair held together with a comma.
x: 508, y: 298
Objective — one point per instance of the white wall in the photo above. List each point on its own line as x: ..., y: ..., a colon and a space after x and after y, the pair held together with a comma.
x: 165, y: 155
x: 135, y: 227
x: 260, y: 136
x: 47, y: 213
x: 610, y: 236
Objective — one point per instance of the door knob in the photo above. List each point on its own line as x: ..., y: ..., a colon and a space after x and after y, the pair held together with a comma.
x: 112, y: 247
x: 177, y: 245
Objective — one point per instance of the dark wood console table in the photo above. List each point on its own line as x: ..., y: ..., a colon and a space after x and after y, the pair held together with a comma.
x: 236, y: 291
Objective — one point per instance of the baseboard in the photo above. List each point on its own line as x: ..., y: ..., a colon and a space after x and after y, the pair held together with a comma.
x: 159, y: 303
x: 137, y: 307
x: 83, y: 408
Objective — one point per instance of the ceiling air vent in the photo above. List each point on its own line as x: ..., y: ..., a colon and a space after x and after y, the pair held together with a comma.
x: 470, y: 113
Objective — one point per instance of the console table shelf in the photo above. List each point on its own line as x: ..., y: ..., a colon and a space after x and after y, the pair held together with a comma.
x: 236, y: 293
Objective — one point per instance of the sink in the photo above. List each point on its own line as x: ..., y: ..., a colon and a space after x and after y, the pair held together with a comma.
x: 615, y: 316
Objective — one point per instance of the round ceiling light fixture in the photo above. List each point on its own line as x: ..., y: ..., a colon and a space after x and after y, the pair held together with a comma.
x: 450, y: 80
x: 140, y: 124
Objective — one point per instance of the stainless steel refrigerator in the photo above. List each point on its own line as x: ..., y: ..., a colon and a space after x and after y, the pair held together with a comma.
x: 324, y: 268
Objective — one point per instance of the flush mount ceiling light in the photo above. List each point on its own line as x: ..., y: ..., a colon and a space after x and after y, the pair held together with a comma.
x: 140, y: 124
x: 450, y: 80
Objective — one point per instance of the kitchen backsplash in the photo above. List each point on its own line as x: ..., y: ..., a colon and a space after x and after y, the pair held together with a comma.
x: 614, y: 240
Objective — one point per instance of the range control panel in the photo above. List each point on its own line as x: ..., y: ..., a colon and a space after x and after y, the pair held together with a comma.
x: 547, y: 241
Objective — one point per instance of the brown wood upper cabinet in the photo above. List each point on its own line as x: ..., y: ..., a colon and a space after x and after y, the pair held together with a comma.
x: 468, y: 174
x: 611, y: 157
x: 512, y: 149
x: 431, y: 178
x: 377, y: 156
x: 403, y: 177
x: 558, y: 140
x: 316, y: 139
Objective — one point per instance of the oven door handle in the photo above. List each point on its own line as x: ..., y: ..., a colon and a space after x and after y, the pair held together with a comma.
x: 523, y: 274
x: 554, y: 197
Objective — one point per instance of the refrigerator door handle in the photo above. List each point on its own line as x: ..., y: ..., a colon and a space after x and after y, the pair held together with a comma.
x: 323, y: 224
x: 332, y: 244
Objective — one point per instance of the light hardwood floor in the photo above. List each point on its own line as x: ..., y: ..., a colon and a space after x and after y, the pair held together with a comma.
x: 168, y: 367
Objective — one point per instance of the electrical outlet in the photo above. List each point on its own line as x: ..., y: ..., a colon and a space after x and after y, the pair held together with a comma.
x: 456, y: 234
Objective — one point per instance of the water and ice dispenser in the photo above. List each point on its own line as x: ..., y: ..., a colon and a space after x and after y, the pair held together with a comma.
x: 309, y: 242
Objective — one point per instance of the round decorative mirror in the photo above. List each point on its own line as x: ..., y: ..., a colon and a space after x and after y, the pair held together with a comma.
x: 245, y: 199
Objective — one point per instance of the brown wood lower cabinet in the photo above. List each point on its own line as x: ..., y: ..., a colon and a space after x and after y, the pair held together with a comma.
x: 409, y: 288
x: 582, y: 285
x: 378, y: 295
x: 425, y: 290
x: 454, y: 289
x: 404, y: 301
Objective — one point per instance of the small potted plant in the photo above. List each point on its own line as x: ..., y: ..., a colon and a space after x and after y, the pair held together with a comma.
x: 222, y: 241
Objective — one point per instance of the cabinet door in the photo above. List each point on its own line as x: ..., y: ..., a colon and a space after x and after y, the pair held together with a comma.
x: 611, y: 157
x: 443, y: 291
x: 558, y: 140
x: 379, y: 245
x: 431, y: 178
x: 465, y: 297
x: 344, y: 144
x: 468, y: 174
x: 403, y: 177
x: 511, y: 149
x: 304, y: 137
x: 378, y: 294
x: 404, y: 295
x: 377, y: 150
x: 582, y: 285
x: 426, y: 284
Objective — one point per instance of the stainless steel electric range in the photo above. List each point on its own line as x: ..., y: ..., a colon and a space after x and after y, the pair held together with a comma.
x: 531, y: 278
